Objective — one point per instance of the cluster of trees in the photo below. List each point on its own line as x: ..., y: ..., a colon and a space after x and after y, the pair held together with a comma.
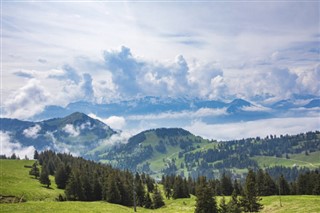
x: 85, y: 180
x: 13, y: 157
x: 238, y: 153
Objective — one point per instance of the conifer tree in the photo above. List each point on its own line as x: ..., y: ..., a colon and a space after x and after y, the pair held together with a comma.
x: 205, y: 202
x: 234, y: 204
x: 284, y: 188
x: 250, y: 200
x: 148, y: 202
x: 113, y: 194
x: 61, y: 176
x: 34, y: 170
x: 157, y: 198
x: 44, y: 177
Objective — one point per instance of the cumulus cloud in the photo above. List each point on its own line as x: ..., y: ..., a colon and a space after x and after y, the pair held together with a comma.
x: 71, y: 130
x: 32, y: 132
x: 115, y: 122
x: 67, y: 73
x: 262, y: 128
x: 8, y: 147
x: 27, y: 101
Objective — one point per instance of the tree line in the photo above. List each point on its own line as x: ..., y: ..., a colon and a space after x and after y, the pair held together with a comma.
x: 84, y: 180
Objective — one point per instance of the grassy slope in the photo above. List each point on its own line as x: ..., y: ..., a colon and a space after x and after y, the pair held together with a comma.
x: 15, y: 180
x: 271, y: 204
x: 312, y: 160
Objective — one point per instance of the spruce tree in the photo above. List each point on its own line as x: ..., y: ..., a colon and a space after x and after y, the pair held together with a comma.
x: 148, y: 202
x: 284, y: 188
x: 157, y: 198
x: 205, y: 202
x: 61, y: 176
x: 35, y: 170
x: 113, y: 194
x: 44, y: 177
x: 234, y: 204
x: 250, y: 200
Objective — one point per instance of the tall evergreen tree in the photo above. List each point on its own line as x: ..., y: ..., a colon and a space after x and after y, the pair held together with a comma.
x: 205, y: 202
x: 113, y: 194
x: 234, y: 204
x: 157, y: 198
x: 148, y: 202
x: 251, y: 201
x: 44, y: 177
x: 284, y: 188
x: 61, y: 176
x: 35, y: 170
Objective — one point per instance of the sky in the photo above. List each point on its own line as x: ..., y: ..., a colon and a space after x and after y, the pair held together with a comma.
x: 59, y: 52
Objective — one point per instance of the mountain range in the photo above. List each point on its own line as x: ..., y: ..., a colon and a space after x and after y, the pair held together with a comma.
x: 236, y: 110
x: 76, y: 133
x: 163, y: 150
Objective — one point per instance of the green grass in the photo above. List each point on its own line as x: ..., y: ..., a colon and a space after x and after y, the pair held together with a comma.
x: 16, y: 181
x: 311, y: 161
x: 310, y: 204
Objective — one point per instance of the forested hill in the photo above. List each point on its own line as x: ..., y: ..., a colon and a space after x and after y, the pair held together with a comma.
x: 177, y: 151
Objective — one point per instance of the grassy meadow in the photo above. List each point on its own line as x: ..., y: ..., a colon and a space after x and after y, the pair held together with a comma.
x: 16, y: 181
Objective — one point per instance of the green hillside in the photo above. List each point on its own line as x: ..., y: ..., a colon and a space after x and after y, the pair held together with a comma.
x: 16, y: 181
x: 177, y: 151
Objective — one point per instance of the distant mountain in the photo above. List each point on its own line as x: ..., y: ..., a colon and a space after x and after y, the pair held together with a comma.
x: 237, y: 105
x: 283, y: 105
x: 77, y: 133
x: 153, y: 151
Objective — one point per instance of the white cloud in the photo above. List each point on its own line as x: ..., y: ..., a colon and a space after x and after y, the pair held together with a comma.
x: 32, y: 132
x: 116, y: 122
x: 262, y: 128
x: 200, y: 113
x: 8, y: 147
x: 71, y: 130
x: 27, y: 101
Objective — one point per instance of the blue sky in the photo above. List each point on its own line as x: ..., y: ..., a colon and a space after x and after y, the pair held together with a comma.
x: 54, y: 53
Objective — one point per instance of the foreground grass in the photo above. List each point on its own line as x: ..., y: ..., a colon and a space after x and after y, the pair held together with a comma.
x: 310, y: 204
x: 16, y: 181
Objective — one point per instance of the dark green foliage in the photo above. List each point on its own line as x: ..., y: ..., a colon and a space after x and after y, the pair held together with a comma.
x: 113, y: 194
x: 180, y: 188
x: 148, y: 202
x: 36, y: 155
x: 61, y: 176
x: 139, y: 189
x: 205, y: 202
x: 251, y: 201
x: 226, y: 185
x: 284, y: 188
x: 234, y: 204
x: 35, y: 170
x: 157, y: 199
x: 44, y: 177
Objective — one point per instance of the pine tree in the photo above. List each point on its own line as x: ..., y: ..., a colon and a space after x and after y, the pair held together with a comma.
x: 36, y: 155
x: 226, y: 185
x: 250, y: 200
x: 234, y: 205
x: 35, y: 170
x: 61, y: 176
x: 284, y: 188
x: 44, y: 177
x: 148, y: 202
x: 157, y: 198
x: 74, y: 190
x: 113, y: 194
x: 139, y: 189
x: 205, y: 202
